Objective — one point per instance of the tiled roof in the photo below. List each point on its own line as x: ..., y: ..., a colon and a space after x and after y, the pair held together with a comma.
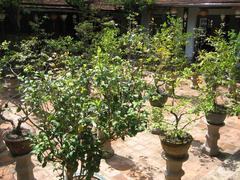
x: 158, y: 2
x: 46, y: 2
x: 198, y: 2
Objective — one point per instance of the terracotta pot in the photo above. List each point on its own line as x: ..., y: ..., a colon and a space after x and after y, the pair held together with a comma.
x: 176, y: 150
x: 17, y: 146
x: 215, y: 118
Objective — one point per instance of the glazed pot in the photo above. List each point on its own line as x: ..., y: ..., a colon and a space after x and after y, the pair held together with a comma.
x: 17, y: 146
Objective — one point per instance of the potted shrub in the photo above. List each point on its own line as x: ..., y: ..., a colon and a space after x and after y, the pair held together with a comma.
x: 66, y: 114
x: 17, y: 140
x: 168, y: 60
x: 120, y: 98
x: 175, y: 139
x: 157, y: 96
x: 219, y: 67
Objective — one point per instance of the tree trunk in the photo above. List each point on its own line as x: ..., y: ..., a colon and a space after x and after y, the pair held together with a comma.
x: 69, y: 173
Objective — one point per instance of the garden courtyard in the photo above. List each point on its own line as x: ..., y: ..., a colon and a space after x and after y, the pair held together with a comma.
x: 139, y: 157
x: 120, y: 100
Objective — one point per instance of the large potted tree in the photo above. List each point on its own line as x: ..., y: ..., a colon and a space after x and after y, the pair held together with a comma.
x: 167, y: 61
x: 120, y: 98
x: 66, y: 114
x: 219, y: 68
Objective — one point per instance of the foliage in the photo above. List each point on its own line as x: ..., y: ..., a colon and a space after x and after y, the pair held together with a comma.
x: 120, y: 103
x: 220, y: 68
x: 131, y: 4
x: 67, y: 120
x: 168, y: 59
x: 173, y: 130
x: 7, y: 3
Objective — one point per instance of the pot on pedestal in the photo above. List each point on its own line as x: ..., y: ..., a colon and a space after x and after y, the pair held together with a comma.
x: 158, y: 99
x: 17, y: 145
x: 214, y: 122
x: 175, y: 154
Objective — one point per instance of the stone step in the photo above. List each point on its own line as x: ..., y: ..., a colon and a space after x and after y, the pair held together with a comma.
x: 6, y: 158
x: 229, y: 169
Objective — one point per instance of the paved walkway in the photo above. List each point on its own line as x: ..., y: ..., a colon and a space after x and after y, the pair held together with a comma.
x: 139, y: 158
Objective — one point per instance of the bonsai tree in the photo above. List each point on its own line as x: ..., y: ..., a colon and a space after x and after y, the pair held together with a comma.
x: 17, y: 139
x: 67, y: 119
x: 170, y: 123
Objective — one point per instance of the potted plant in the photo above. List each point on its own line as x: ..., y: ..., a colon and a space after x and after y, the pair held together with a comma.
x: 157, y: 96
x: 120, y: 103
x: 17, y: 140
x: 67, y: 119
x: 167, y: 61
x: 219, y: 67
x: 175, y: 139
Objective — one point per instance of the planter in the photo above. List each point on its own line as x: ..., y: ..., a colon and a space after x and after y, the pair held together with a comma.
x: 18, y: 146
x: 159, y: 99
x: 216, y: 118
x: 175, y: 155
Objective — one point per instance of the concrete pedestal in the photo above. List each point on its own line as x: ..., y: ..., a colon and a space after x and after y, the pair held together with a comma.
x: 24, y: 167
x: 108, y: 151
x: 174, y: 169
x: 2, y: 145
x: 210, y: 146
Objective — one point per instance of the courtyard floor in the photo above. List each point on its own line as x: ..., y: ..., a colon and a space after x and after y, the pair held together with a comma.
x: 139, y: 157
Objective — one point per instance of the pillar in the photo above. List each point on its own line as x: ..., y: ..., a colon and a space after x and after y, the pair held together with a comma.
x: 191, y: 25
x: 210, y: 146
x: 24, y: 167
x: 174, y: 169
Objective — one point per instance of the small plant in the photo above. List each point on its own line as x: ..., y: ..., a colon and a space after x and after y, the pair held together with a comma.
x: 171, y: 126
x: 17, y: 139
x: 17, y: 129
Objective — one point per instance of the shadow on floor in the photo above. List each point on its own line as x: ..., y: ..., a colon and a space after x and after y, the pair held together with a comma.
x: 231, y: 162
x: 120, y: 163
x: 144, y: 171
